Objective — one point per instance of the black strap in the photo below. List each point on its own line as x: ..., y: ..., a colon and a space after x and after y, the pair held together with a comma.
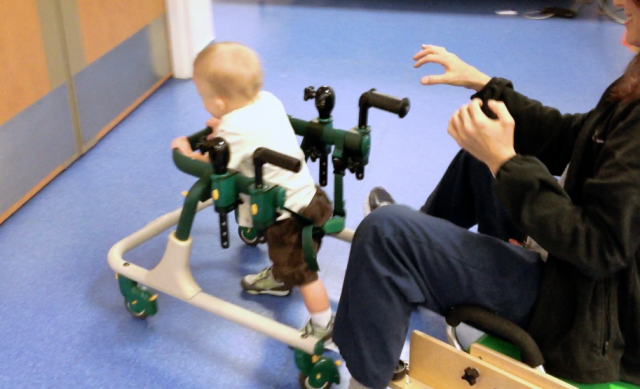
x: 305, y: 220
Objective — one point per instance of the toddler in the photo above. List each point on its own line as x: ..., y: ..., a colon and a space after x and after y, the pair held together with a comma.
x: 229, y: 77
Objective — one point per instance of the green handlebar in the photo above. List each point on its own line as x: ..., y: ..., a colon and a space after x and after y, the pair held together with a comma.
x: 322, y: 132
x: 191, y: 166
x: 352, y: 142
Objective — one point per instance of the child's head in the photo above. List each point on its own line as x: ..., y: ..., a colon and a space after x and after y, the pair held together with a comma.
x: 228, y: 76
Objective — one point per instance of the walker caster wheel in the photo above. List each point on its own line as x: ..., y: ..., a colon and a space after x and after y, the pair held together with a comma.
x: 401, y: 370
x: 316, y: 372
x: 139, y: 301
x: 138, y: 315
x: 248, y: 235
x: 305, y: 384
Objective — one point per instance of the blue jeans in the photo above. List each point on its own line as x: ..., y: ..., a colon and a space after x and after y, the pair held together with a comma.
x: 401, y: 259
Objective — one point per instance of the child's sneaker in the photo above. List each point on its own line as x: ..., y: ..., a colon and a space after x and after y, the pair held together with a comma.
x: 321, y: 333
x: 378, y: 197
x: 264, y: 283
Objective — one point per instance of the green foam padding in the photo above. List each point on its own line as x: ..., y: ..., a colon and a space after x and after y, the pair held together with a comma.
x: 504, y: 348
x: 512, y: 351
x: 611, y: 385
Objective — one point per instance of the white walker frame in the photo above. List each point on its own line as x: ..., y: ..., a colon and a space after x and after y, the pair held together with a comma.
x: 172, y: 276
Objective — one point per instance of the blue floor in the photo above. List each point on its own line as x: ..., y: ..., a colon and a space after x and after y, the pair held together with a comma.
x: 62, y: 319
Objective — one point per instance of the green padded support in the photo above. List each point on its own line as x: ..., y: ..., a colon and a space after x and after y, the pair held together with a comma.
x: 307, y: 247
x: 512, y: 351
x: 310, y: 230
x: 224, y: 192
x: 334, y: 225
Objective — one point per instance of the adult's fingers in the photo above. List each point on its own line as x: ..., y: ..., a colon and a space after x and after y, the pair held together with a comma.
x: 475, y: 111
x: 436, y: 79
x: 432, y: 58
x: 451, y: 130
x: 467, y: 125
x: 429, y: 49
x: 500, y: 110
x: 457, y: 124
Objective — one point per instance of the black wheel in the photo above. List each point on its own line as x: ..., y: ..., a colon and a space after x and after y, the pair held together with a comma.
x: 304, y: 383
x: 247, y: 237
x: 401, y: 370
x: 138, y: 315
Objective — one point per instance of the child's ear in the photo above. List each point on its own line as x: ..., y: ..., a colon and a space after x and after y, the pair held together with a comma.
x: 220, y: 103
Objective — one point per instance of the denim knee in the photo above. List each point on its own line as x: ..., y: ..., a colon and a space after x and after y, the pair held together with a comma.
x: 387, y: 217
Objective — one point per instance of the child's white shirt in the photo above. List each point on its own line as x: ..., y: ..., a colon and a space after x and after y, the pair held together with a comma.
x: 264, y: 123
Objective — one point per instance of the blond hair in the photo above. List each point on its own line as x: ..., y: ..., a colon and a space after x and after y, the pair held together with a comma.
x: 231, y: 70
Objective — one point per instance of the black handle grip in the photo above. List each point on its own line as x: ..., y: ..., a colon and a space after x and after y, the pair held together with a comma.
x: 277, y: 159
x: 385, y: 102
x: 325, y: 99
x: 263, y: 155
x: 219, y: 153
x: 309, y: 93
x: 500, y: 327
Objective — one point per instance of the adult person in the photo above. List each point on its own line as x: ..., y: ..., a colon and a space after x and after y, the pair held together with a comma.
x: 579, y: 296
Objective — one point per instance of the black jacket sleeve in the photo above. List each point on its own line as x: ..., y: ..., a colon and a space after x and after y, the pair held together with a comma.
x: 600, y: 235
x: 540, y: 131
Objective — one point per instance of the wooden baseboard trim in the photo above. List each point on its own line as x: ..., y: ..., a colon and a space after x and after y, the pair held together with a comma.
x: 5, y: 215
x: 32, y: 192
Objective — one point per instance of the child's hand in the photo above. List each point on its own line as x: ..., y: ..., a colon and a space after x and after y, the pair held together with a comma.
x: 182, y: 144
x: 213, y: 123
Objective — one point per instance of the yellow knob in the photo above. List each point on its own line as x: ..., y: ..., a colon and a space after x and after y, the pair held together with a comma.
x: 184, y: 193
x: 338, y: 363
x: 254, y: 209
x: 215, y: 194
x: 315, y: 358
x: 318, y: 376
